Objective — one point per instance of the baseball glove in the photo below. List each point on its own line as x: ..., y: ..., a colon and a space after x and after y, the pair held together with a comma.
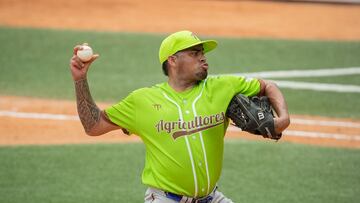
x: 253, y: 115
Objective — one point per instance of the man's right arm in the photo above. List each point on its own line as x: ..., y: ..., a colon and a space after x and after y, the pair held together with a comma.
x: 94, y: 121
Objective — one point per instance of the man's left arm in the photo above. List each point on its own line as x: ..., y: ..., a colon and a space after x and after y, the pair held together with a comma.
x: 277, y: 100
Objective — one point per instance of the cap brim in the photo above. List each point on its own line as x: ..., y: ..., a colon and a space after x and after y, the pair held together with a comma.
x: 208, y: 45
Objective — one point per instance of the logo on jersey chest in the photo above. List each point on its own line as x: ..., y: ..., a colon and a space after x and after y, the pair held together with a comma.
x: 181, y: 128
x: 157, y: 106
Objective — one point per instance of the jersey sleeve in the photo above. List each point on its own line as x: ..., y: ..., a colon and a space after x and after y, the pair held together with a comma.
x: 123, y: 113
x: 243, y: 85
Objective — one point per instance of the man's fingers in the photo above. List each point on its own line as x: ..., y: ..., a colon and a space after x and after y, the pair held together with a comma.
x: 77, y: 62
x: 74, y: 64
x: 93, y: 58
x: 77, y: 48
x: 87, y: 64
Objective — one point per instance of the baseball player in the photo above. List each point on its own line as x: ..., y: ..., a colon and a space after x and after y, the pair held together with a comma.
x: 182, y: 121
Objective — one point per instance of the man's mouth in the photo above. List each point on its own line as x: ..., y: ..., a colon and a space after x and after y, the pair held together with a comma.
x: 205, y: 66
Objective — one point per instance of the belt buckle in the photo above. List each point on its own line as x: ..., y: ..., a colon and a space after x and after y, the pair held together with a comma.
x: 178, y: 198
x: 173, y: 196
x: 207, y: 199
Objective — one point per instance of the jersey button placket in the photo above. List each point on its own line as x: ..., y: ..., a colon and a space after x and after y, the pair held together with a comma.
x: 194, y: 142
x: 197, y: 154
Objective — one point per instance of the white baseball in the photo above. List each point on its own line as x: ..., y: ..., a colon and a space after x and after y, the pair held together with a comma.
x: 85, y: 53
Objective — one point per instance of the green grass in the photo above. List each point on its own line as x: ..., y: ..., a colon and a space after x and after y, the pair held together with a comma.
x: 89, y: 173
x: 253, y: 172
x: 35, y: 62
x: 253, y: 55
x: 344, y: 79
x: 332, y: 104
x: 269, y: 172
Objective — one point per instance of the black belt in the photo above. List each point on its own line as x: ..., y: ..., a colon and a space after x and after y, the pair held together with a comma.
x: 178, y: 198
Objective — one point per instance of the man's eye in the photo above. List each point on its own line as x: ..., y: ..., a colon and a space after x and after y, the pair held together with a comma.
x: 195, y: 53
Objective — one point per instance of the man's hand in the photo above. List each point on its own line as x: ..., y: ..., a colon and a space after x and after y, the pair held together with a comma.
x: 78, y: 68
x: 277, y: 100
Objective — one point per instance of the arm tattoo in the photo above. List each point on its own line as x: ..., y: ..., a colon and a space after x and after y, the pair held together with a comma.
x: 88, y: 112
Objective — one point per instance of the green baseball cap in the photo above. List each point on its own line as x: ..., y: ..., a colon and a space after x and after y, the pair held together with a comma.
x: 182, y: 40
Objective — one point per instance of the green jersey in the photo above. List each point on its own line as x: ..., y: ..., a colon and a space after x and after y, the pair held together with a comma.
x: 183, y: 132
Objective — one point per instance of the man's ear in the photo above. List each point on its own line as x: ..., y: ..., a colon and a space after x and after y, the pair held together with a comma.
x: 172, y: 60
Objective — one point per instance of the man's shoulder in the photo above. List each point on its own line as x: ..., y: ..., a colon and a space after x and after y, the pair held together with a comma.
x: 229, y: 79
x: 152, y: 90
x: 220, y: 79
x: 224, y: 77
x: 231, y: 82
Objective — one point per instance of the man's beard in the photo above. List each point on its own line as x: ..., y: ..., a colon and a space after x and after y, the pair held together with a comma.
x: 202, y: 75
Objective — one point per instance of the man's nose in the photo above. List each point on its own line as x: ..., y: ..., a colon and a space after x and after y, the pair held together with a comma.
x: 202, y: 58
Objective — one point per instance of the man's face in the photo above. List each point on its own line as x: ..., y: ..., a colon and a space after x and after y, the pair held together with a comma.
x: 191, y: 64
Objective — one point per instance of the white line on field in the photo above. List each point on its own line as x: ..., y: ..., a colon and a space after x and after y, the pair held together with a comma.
x: 318, y: 86
x: 308, y: 73
x: 48, y: 116
x: 301, y: 73
x: 45, y: 116
x: 325, y: 123
x: 296, y: 133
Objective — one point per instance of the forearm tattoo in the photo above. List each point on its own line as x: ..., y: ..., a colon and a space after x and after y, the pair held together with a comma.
x: 88, y: 112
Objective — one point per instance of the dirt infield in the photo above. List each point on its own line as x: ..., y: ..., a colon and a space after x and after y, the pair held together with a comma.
x: 206, y: 17
x: 37, y: 121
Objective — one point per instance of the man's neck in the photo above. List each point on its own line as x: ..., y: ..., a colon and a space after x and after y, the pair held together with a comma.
x: 181, y: 85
